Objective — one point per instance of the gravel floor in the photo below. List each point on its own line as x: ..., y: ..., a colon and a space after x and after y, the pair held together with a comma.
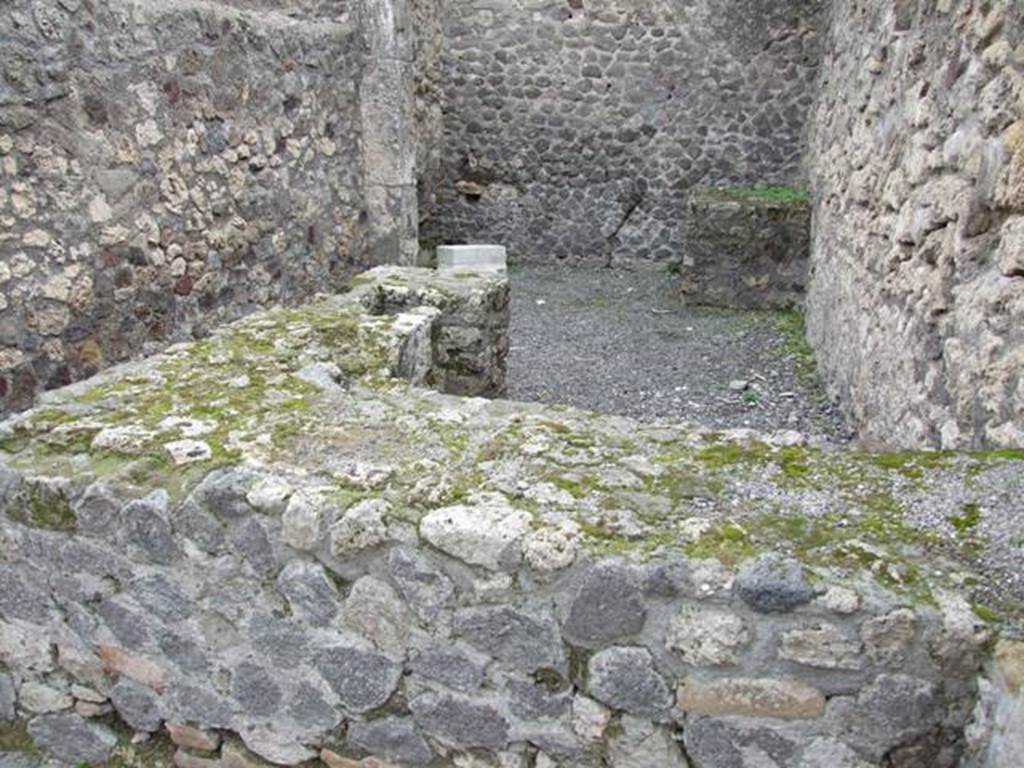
x: 620, y: 341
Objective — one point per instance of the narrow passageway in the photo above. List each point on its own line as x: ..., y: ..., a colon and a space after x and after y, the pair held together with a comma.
x: 621, y: 341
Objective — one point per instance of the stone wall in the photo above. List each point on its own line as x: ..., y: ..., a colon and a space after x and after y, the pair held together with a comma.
x: 270, y: 548
x: 166, y: 166
x: 574, y: 130
x: 916, y: 297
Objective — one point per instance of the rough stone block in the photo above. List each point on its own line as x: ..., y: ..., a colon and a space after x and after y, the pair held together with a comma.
x: 746, y: 248
x: 752, y: 697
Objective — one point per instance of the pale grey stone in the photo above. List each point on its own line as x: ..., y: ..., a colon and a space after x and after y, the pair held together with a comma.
x: 392, y: 738
x: 374, y: 611
x: 822, y: 646
x: 641, y: 744
x: 309, y: 707
x: 302, y: 523
x: 773, y: 584
x: 22, y: 595
x: 363, y: 680
x: 457, y: 720
x: 284, y: 642
x: 138, y: 706
x: 625, y: 678
x: 526, y: 640
x: 361, y: 526
x: 608, y: 606
x: 8, y: 697
x: 829, y: 753
x: 71, y: 738
x: 309, y: 591
x: 426, y: 589
x: 487, y: 534
x: 200, y: 526
x: 707, y: 636
x: 194, y: 702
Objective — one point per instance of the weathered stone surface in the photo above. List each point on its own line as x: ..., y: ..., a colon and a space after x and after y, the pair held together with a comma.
x: 823, y: 646
x: 392, y: 738
x: 609, y: 606
x: 360, y: 527
x: 302, y: 523
x: 746, y: 249
x: 193, y: 738
x: 458, y: 720
x: 373, y: 610
x: 736, y: 743
x: 309, y: 591
x: 39, y: 698
x: 449, y: 666
x: 524, y: 639
x: 70, y: 738
x: 641, y: 743
x: 487, y: 534
x: 887, y: 638
x: 426, y: 589
x: 773, y: 584
x: 363, y: 680
x: 829, y: 753
x: 703, y: 635
x: 752, y: 697
x: 625, y: 678
x: 8, y: 698
x: 589, y: 718
x: 137, y: 705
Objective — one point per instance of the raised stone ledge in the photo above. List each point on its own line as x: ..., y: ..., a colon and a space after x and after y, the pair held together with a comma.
x: 365, y: 572
x: 746, y: 248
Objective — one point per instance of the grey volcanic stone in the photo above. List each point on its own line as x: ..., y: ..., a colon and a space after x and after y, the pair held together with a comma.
x: 252, y: 539
x: 893, y: 710
x: 457, y: 720
x: 525, y: 640
x: 392, y: 738
x: 448, y: 667
x: 254, y: 689
x: 201, y: 705
x: 308, y: 707
x: 309, y: 591
x: 530, y: 699
x: 162, y: 597
x: 70, y: 738
x: 201, y: 527
x: 20, y: 598
x: 362, y: 679
x: 145, y: 525
x: 19, y: 760
x: 283, y: 641
x: 608, y: 607
x: 727, y: 744
x: 426, y: 589
x: 8, y: 697
x: 137, y: 705
x: 128, y: 624
x: 625, y: 678
x: 223, y: 493
x: 773, y: 584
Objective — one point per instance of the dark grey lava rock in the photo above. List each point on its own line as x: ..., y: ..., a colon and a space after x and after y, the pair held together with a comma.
x: 363, y: 680
x: 774, y: 584
x: 254, y: 689
x: 718, y: 742
x: 73, y: 739
x: 527, y: 641
x: 608, y: 607
x: 449, y: 667
x: 137, y: 705
x: 145, y: 526
x: 223, y: 493
x: 423, y: 586
x: 625, y: 678
x: 309, y: 592
x: 460, y: 721
x: 392, y: 738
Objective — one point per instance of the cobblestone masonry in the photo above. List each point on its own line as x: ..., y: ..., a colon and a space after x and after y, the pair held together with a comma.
x: 266, y: 547
x: 576, y: 130
x: 916, y: 298
x: 165, y: 166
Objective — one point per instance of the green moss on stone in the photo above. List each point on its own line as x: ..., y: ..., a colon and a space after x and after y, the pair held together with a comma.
x: 763, y: 194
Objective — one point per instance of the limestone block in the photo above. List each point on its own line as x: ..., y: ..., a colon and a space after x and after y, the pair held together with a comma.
x: 752, y: 697
x: 471, y: 257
